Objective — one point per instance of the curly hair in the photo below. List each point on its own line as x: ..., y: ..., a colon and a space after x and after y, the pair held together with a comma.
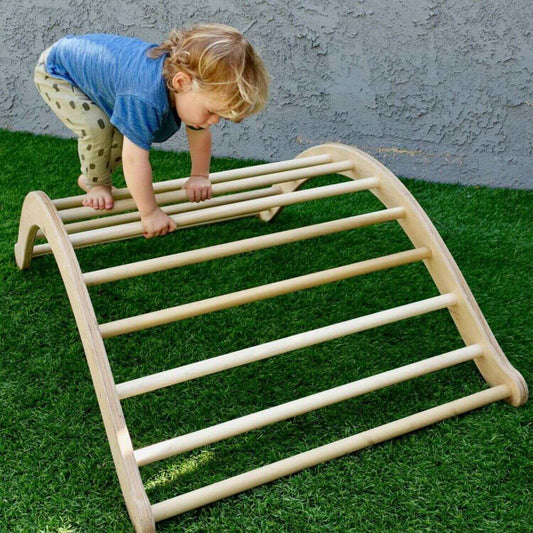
x: 218, y: 59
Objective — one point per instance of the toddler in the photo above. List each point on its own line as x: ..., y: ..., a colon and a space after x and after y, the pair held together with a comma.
x: 121, y: 94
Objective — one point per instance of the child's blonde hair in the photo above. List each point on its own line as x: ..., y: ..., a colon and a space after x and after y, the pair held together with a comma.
x: 219, y: 59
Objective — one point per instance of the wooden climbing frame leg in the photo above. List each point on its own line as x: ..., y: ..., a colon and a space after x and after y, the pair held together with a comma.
x: 39, y: 212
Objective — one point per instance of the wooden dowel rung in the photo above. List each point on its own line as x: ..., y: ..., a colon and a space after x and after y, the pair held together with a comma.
x: 259, y: 476
x: 225, y: 301
x: 44, y: 249
x: 223, y: 212
x: 190, y: 257
x: 115, y: 220
x: 215, y: 177
x: 280, y: 346
x: 181, y: 195
x: 243, y: 424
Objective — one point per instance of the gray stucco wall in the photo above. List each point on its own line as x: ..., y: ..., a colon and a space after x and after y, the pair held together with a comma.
x: 439, y: 90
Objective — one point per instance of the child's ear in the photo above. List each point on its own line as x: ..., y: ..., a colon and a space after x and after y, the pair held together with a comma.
x: 181, y: 82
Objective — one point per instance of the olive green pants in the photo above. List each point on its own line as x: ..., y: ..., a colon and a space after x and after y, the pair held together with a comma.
x: 99, y: 142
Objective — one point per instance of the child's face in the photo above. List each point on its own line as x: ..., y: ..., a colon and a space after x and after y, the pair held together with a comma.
x: 195, y: 107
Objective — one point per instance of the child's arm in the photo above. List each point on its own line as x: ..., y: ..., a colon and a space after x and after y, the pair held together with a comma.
x: 138, y: 176
x: 198, y: 185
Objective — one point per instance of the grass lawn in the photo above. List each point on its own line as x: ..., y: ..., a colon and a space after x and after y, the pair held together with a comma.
x: 468, y: 473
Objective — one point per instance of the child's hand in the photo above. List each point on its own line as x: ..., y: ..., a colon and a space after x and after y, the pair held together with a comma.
x: 157, y: 223
x: 198, y: 188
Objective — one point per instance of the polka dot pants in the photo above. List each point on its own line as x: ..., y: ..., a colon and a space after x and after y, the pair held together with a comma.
x: 99, y: 142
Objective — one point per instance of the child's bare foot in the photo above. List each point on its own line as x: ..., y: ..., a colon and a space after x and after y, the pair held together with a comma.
x: 98, y: 197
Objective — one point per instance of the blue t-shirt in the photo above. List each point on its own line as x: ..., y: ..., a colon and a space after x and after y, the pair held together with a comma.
x: 116, y: 74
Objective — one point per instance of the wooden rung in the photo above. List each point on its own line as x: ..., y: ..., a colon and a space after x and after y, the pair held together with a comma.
x: 225, y: 301
x: 259, y: 476
x: 217, y: 214
x: 280, y: 346
x: 123, y: 218
x: 181, y: 195
x: 44, y: 249
x: 243, y: 424
x: 215, y: 177
x: 190, y: 257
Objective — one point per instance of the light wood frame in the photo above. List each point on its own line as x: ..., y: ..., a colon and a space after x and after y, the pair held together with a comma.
x: 273, y: 185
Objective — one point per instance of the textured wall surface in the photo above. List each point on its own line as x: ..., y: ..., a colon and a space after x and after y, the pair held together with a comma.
x: 439, y: 90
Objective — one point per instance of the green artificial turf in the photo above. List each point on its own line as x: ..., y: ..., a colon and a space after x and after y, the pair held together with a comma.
x: 468, y: 473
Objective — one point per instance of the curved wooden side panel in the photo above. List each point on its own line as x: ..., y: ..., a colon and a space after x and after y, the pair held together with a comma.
x: 38, y: 212
x: 474, y: 329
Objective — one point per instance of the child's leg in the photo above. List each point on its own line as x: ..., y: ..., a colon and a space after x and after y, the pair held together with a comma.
x: 115, y: 155
x: 95, y: 133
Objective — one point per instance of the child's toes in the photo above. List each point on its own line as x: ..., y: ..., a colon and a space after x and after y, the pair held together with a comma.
x: 109, y: 203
